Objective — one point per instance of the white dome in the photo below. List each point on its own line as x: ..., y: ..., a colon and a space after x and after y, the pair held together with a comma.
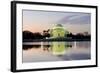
x: 58, y: 26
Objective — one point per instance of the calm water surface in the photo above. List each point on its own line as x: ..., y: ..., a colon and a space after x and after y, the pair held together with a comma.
x: 56, y: 51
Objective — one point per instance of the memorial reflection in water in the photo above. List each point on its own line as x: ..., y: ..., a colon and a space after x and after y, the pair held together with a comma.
x: 56, y: 51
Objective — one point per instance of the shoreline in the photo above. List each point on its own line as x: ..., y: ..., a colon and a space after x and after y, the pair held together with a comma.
x: 52, y: 40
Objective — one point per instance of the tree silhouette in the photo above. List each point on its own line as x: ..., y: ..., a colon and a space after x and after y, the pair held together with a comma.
x: 31, y: 35
x: 46, y: 33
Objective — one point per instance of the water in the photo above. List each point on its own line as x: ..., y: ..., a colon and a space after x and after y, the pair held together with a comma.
x: 56, y: 51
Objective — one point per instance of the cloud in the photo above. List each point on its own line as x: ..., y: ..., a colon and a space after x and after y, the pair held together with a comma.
x: 76, y: 18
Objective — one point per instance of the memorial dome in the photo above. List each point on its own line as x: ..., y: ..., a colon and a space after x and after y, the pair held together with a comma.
x: 58, y: 31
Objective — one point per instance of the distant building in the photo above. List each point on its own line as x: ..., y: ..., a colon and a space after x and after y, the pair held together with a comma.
x: 58, y: 31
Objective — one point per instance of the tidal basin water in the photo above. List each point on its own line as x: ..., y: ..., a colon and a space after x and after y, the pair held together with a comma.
x: 56, y: 51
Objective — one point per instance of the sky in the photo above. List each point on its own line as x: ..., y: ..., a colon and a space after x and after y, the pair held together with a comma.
x: 37, y: 21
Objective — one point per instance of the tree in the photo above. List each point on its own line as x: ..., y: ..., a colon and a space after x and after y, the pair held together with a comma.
x: 46, y: 33
x: 30, y: 35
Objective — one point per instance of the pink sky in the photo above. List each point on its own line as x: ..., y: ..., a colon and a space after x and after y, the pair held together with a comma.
x: 37, y: 21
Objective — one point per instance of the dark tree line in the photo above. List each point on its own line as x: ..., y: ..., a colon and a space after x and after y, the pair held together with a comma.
x: 37, y: 35
x: 31, y: 35
x: 79, y: 36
